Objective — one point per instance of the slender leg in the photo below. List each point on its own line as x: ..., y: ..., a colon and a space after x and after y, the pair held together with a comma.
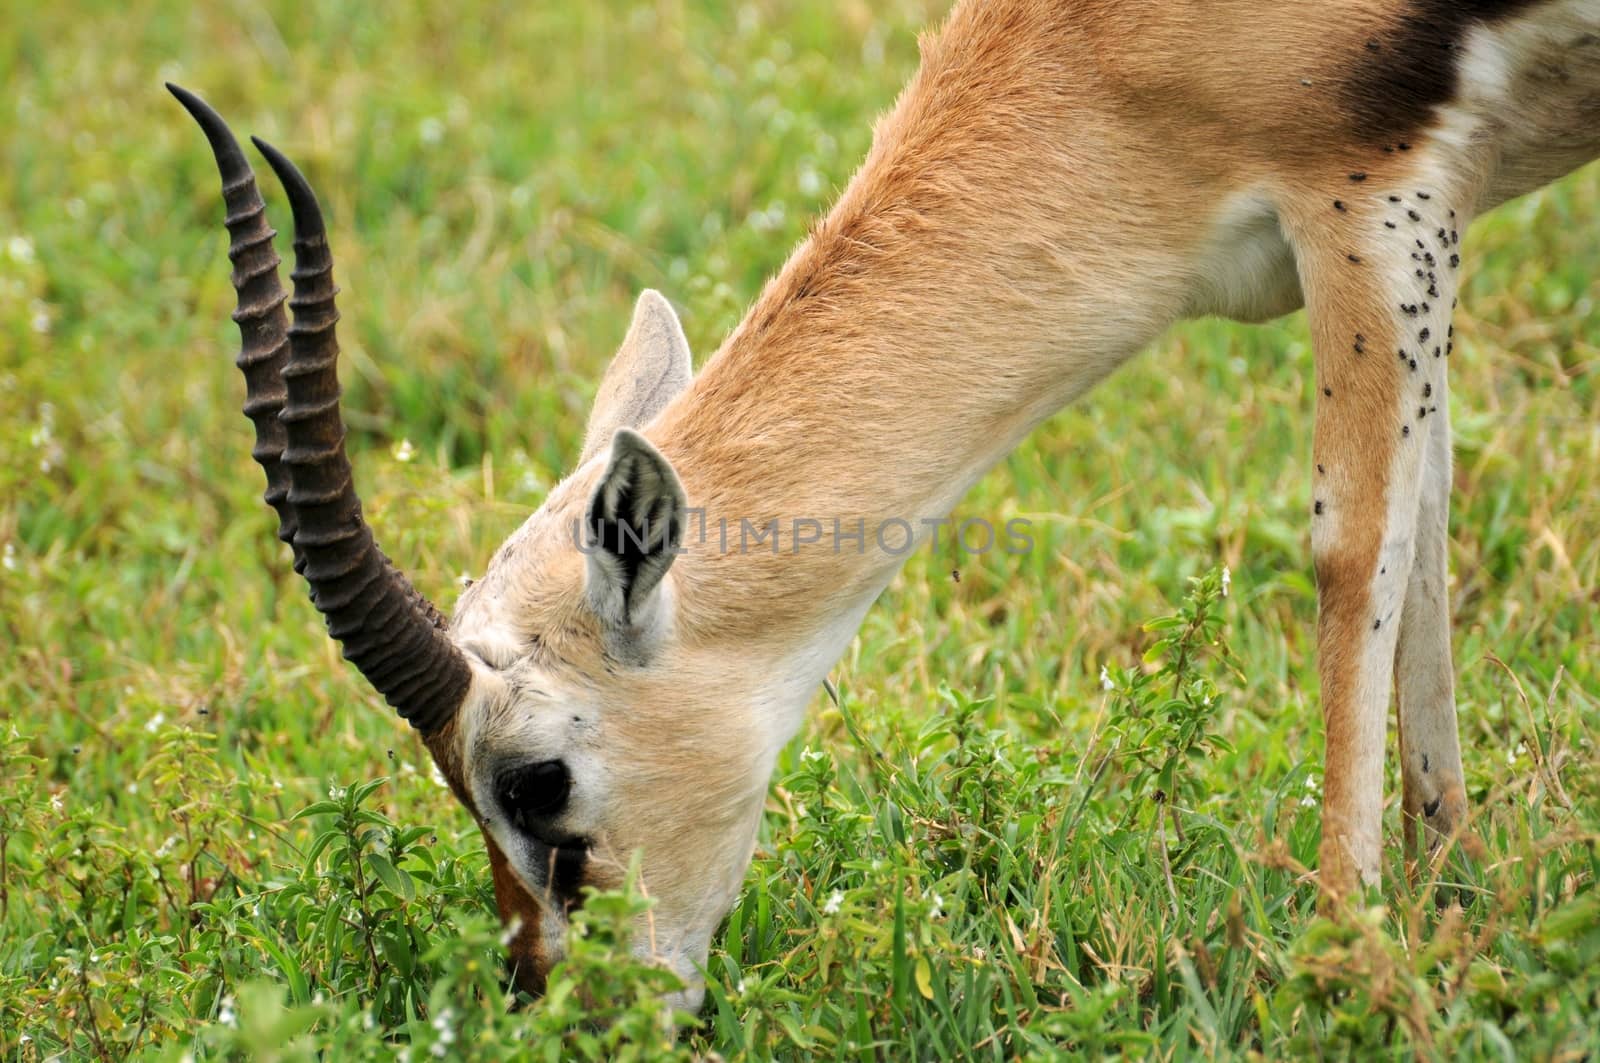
x: 1430, y: 753
x: 1377, y: 261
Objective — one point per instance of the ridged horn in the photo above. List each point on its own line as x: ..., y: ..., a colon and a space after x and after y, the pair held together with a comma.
x: 263, y: 326
x: 388, y: 630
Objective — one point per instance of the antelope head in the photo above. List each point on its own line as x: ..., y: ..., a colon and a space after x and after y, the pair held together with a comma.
x: 570, y: 708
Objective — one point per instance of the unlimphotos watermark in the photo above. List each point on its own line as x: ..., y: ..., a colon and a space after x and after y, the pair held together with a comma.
x: 894, y: 536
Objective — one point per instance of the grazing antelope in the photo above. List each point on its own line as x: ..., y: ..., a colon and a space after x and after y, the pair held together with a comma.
x: 1061, y: 181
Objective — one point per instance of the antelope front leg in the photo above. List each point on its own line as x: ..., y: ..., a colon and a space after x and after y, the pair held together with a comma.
x: 1434, y: 799
x: 1377, y: 260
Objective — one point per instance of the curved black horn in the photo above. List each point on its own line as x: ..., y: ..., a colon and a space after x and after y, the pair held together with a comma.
x: 263, y: 326
x: 388, y: 630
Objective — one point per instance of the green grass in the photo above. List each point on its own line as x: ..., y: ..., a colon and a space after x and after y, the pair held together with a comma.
x: 215, y: 841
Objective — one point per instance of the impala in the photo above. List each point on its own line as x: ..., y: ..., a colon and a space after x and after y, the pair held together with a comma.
x: 1060, y: 181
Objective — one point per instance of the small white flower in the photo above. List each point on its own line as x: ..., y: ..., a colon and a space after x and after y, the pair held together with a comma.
x: 810, y: 182
x: 1227, y: 579
x: 441, y: 1026
x: 24, y: 1039
x: 431, y: 130
x: 404, y: 451
x: 835, y: 899
x: 334, y: 793
x: 739, y: 989
x: 1105, y: 678
x: 8, y: 557
x: 438, y: 1050
x: 1308, y: 801
x: 800, y: 810
x: 225, y: 1014
x: 20, y: 248
x: 367, y: 1021
x: 1311, y: 783
x: 938, y: 907
x: 154, y: 722
x: 57, y: 803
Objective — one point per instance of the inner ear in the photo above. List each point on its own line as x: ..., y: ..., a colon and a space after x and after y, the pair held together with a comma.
x: 634, y: 528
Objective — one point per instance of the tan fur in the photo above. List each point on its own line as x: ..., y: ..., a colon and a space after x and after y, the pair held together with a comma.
x: 1059, y: 183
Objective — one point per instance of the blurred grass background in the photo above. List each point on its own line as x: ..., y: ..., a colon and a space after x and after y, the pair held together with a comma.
x: 501, y: 179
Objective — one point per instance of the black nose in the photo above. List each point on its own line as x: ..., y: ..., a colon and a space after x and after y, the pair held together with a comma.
x: 533, y: 793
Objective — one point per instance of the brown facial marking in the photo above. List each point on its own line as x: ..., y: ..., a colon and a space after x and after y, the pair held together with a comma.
x: 524, y: 957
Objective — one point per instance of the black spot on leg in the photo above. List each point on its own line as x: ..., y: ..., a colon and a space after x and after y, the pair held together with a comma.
x: 1328, y: 392
x: 1376, y: 624
x: 1403, y: 146
x: 1423, y: 335
x: 1423, y: 195
x: 1424, y: 763
x: 1422, y: 411
x: 1394, y: 199
x: 1431, y: 808
x: 1455, y: 261
x: 1413, y: 215
x: 1317, y: 509
x: 1338, y: 205
x: 1320, y: 470
x: 1413, y: 365
x: 1427, y: 390
x: 1359, y: 175
x: 1405, y: 430
x: 1353, y: 258
x: 1388, y: 225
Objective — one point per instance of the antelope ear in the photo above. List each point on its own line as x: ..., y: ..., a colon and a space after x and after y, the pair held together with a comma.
x: 650, y: 369
x: 634, y: 528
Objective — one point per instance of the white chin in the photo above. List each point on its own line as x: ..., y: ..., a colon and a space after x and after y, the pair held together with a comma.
x: 687, y: 999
